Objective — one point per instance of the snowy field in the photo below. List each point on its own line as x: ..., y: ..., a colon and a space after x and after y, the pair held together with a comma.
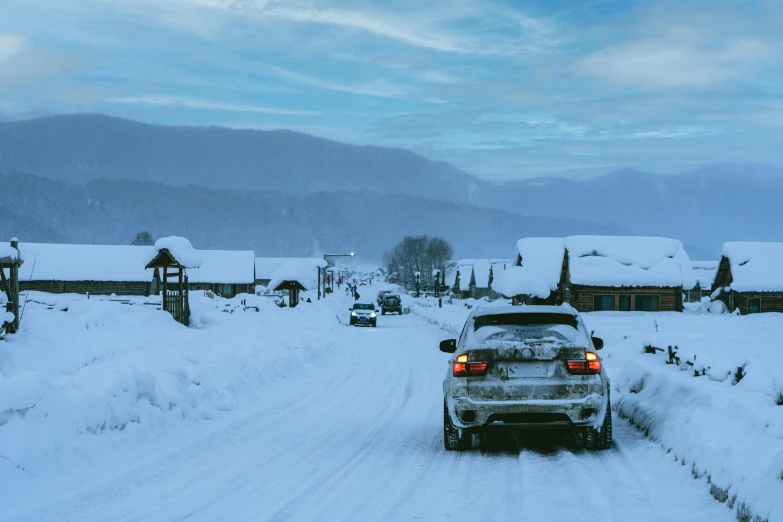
x: 112, y: 411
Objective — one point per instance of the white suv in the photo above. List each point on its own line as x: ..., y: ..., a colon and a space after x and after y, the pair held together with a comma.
x: 525, y: 367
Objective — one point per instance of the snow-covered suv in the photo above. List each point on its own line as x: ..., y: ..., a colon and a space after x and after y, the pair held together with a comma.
x: 522, y: 367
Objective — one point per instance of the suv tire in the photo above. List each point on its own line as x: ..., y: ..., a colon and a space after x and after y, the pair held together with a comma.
x: 599, y: 438
x: 452, y: 440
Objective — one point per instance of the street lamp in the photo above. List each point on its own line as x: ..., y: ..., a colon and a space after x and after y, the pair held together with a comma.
x: 352, y: 254
x: 436, y: 277
x: 418, y: 280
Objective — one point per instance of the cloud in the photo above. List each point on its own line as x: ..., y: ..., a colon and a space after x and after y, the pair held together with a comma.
x: 22, y: 63
x: 194, y: 103
x: 678, y: 59
x: 380, y: 88
x: 10, y: 46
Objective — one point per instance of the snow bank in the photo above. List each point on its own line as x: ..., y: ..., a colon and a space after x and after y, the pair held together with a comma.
x: 181, y: 249
x: 727, y: 429
x: 628, y: 261
x: 755, y: 266
x: 518, y: 280
x: 304, y: 271
x: 102, y: 374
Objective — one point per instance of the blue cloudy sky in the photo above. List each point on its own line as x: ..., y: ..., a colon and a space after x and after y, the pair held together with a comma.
x: 503, y: 89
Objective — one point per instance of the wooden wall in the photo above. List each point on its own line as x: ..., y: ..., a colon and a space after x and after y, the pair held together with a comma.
x: 83, y: 287
x: 582, y: 296
x: 770, y: 301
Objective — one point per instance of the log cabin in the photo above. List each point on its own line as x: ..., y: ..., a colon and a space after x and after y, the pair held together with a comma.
x: 749, y: 277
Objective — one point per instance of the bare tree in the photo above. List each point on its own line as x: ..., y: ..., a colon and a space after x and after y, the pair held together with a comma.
x: 418, y: 254
x: 143, y: 238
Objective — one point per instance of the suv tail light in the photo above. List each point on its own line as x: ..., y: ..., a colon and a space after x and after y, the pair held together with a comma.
x: 591, y: 365
x: 463, y: 368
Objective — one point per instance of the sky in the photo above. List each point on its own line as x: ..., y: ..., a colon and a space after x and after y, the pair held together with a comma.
x: 502, y: 89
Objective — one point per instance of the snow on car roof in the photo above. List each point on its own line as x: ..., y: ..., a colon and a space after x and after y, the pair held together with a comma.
x: 628, y: 261
x: 755, y: 266
x: 526, y: 309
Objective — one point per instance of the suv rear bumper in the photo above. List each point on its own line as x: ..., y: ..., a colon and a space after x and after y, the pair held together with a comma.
x: 549, y: 414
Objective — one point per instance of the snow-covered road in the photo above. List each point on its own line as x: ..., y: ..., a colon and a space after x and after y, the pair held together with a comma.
x: 357, y: 435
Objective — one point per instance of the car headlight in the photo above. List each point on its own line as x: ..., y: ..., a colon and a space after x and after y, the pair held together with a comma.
x: 353, y: 314
x: 372, y: 314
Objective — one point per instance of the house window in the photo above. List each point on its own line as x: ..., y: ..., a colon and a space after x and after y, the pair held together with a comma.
x: 625, y: 303
x: 225, y: 290
x: 754, y: 305
x: 603, y: 303
x: 647, y: 303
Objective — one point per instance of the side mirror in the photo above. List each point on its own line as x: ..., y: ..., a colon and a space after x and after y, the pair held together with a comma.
x: 598, y: 343
x: 448, y: 346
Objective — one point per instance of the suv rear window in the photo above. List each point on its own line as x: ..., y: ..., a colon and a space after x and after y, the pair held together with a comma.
x: 524, y: 320
x: 515, y: 328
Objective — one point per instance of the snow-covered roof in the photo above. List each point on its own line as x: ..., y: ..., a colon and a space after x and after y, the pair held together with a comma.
x: 481, y: 273
x: 628, y: 261
x: 267, y: 266
x: 704, y: 273
x: 61, y: 262
x: 518, y: 280
x: 304, y: 271
x: 543, y: 256
x: 8, y: 253
x: 181, y: 249
x: 450, y: 276
x: 224, y: 267
x: 465, y: 272
x: 755, y: 266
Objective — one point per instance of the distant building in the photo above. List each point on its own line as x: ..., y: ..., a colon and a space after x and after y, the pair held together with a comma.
x: 225, y: 272
x: 600, y: 273
x: 120, y: 270
x: 81, y: 269
x: 749, y: 277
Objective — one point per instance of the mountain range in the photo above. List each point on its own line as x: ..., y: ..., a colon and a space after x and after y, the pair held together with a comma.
x: 96, y: 178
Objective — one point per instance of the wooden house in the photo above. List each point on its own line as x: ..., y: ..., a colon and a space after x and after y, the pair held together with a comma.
x: 749, y: 277
x: 602, y: 273
x: 225, y: 272
x: 642, y: 274
x: 81, y: 269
